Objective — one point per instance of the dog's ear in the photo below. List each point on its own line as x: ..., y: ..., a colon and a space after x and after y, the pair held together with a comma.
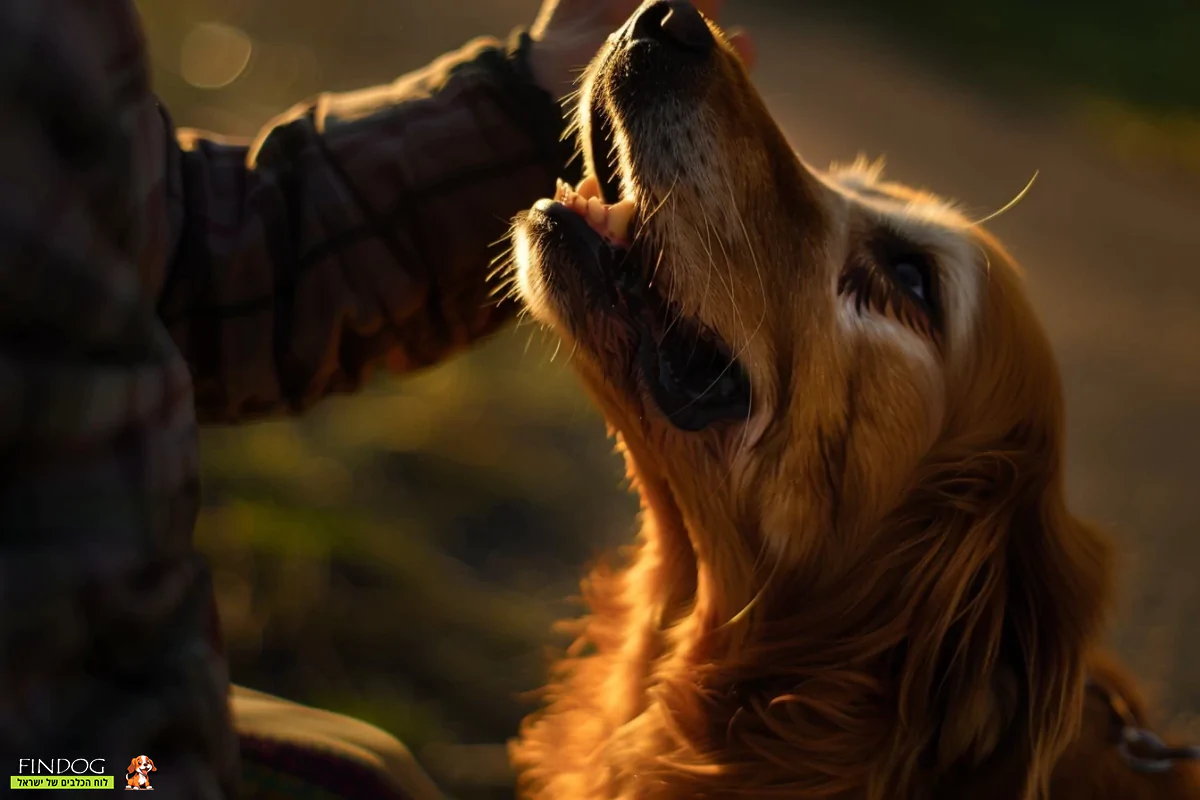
x: 132, y: 765
x: 150, y: 761
x: 1009, y: 600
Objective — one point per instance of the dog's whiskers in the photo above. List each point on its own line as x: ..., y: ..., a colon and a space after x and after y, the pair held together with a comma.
x: 571, y: 353
x: 762, y: 287
x: 1010, y: 204
x: 708, y: 251
x: 987, y: 260
x: 671, y: 323
x: 750, y: 605
x: 644, y: 222
x: 744, y: 346
x: 748, y: 336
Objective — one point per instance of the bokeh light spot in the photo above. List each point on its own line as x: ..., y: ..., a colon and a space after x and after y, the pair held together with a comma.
x: 214, y: 55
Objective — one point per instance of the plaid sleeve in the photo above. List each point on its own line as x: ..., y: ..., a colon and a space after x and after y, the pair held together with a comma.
x: 105, y: 649
x: 356, y: 232
x: 135, y: 265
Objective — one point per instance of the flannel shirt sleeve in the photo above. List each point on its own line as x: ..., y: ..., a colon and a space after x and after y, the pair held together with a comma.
x: 356, y: 232
x: 134, y: 266
x: 105, y: 609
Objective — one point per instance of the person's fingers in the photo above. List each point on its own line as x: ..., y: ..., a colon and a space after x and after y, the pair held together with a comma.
x: 743, y: 45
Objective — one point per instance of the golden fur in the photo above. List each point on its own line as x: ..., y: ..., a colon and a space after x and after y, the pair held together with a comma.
x: 871, y: 587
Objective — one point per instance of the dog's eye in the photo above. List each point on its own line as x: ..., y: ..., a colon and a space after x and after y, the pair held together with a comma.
x: 913, y: 275
x: 894, y: 278
x: 911, y: 272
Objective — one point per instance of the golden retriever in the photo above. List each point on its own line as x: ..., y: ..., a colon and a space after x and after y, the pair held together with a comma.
x: 856, y: 575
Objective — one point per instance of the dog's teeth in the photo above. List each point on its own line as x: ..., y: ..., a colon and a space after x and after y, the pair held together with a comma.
x: 589, y: 187
x: 610, y: 221
x: 619, y: 216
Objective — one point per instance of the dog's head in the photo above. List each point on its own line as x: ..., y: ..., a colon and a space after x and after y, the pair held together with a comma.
x: 142, y: 765
x: 824, y: 378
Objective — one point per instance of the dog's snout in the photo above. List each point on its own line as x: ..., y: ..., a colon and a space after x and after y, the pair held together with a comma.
x: 674, y: 22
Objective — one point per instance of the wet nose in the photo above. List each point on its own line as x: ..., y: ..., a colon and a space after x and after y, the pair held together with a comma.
x: 674, y: 22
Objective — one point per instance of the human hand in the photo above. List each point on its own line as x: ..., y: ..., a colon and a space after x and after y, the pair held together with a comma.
x: 568, y: 33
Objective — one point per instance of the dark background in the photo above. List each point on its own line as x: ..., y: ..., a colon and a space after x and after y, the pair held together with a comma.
x: 401, y: 555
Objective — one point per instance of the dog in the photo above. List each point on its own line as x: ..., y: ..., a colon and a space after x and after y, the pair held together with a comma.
x: 856, y: 574
x: 137, y: 775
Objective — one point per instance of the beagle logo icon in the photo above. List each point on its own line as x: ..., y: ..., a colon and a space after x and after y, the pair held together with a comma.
x: 137, y: 776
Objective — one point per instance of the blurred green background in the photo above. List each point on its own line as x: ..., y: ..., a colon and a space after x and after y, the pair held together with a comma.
x: 1144, y: 54
x: 400, y: 555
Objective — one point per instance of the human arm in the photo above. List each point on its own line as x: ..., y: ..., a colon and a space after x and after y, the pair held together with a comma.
x: 355, y: 233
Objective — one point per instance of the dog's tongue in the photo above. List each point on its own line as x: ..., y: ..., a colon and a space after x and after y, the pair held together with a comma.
x: 611, y: 221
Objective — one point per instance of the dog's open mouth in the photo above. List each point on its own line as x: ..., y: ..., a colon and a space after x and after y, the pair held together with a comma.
x: 689, y: 370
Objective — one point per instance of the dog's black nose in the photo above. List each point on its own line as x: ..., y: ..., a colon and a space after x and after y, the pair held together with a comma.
x: 676, y: 22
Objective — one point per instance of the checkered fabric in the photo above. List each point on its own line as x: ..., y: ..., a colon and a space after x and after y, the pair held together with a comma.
x: 151, y: 279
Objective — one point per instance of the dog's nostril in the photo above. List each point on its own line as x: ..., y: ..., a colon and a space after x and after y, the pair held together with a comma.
x: 684, y: 24
x: 676, y: 21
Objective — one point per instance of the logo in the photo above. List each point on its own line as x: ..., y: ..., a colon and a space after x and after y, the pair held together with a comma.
x: 137, y: 776
x: 60, y: 773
